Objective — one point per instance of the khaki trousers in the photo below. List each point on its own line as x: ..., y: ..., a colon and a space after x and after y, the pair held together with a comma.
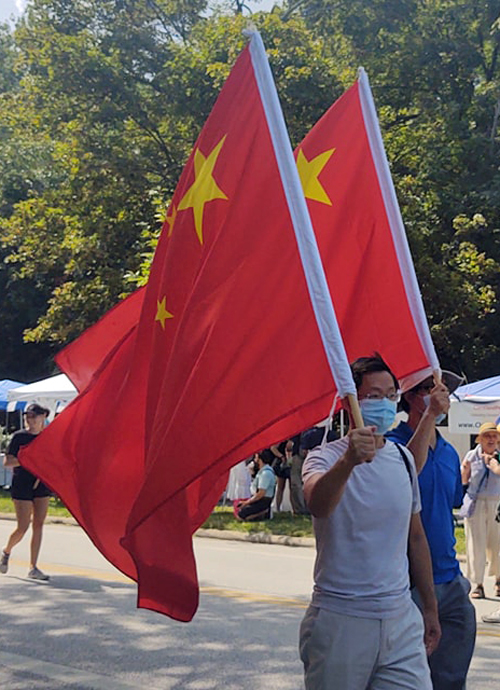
x: 482, y: 540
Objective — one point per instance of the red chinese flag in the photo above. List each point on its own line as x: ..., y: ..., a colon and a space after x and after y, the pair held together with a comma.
x: 361, y: 242
x: 226, y: 359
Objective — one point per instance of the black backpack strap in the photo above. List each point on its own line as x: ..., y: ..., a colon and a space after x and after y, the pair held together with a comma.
x: 406, y: 461
x: 408, y: 469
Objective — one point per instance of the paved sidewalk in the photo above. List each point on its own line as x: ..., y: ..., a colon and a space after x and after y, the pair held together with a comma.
x: 486, y: 606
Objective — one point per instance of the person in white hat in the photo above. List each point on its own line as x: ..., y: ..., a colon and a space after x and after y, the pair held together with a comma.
x: 494, y: 466
x: 482, y: 532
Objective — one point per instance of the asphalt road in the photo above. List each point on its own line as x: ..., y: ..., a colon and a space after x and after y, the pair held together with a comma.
x: 82, y: 631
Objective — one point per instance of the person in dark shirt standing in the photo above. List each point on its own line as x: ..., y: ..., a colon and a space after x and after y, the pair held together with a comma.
x: 30, y: 496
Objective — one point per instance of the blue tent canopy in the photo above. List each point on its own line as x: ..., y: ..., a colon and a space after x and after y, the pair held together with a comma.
x: 5, y: 386
x: 486, y: 388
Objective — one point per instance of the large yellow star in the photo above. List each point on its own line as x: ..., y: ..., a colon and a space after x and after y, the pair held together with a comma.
x: 309, y: 172
x: 204, y: 187
x: 161, y: 312
x: 171, y: 219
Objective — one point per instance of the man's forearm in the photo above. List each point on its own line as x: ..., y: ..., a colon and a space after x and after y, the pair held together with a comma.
x: 256, y: 497
x: 419, y: 443
x: 421, y: 572
x: 323, y: 493
x: 421, y: 565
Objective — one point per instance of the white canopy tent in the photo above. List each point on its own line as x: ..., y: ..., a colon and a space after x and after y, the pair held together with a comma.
x: 470, y: 406
x: 54, y: 393
x: 474, y: 404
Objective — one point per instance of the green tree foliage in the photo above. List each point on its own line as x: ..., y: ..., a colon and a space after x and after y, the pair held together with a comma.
x: 102, y: 100
x: 435, y: 77
x: 112, y: 96
x: 88, y: 144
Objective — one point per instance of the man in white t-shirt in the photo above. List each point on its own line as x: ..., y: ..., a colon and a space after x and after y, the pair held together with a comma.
x: 362, y: 630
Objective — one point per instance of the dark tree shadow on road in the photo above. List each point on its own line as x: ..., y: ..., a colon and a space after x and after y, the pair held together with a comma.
x: 234, y: 642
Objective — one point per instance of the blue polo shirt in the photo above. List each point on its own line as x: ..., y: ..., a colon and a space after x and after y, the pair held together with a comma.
x: 440, y: 491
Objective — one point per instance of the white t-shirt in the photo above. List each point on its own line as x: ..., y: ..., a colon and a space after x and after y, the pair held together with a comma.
x: 361, y: 565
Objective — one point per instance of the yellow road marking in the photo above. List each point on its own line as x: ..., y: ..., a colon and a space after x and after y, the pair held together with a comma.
x: 254, y: 597
x: 210, y: 590
x: 487, y: 633
x: 222, y: 592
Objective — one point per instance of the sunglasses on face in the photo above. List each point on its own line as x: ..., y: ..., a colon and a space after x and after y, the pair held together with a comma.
x: 427, y: 388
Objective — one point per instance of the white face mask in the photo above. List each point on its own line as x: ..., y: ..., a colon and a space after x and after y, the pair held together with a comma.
x: 427, y: 402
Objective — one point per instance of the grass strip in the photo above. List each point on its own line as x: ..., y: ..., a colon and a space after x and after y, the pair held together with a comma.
x: 223, y: 518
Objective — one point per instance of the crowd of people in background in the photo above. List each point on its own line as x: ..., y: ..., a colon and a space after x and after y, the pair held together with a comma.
x: 272, y: 470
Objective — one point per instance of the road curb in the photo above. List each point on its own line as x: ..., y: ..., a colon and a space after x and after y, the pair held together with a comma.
x: 256, y: 537
x: 228, y: 535
x: 49, y: 520
x: 231, y: 535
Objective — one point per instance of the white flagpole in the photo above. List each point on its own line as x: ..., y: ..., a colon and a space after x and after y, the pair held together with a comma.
x: 304, y: 233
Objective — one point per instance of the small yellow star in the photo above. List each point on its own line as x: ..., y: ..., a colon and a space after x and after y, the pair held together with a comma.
x: 309, y: 172
x: 170, y: 219
x: 204, y: 187
x: 161, y: 312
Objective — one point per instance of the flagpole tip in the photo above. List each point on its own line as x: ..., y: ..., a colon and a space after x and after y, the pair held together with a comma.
x: 250, y: 30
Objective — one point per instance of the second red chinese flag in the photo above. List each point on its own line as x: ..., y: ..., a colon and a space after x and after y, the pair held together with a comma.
x: 361, y: 238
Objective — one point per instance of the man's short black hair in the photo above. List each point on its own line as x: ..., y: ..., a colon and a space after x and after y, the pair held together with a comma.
x: 404, y: 402
x: 370, y: 365
x: 267, y: 456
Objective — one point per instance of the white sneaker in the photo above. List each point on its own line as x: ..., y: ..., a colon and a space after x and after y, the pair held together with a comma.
x: 493, y: 617
x: 36, y: 574
x: 4, y: 562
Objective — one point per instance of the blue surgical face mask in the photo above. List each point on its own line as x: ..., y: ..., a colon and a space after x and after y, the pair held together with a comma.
x: 427, y: 402
x: 378, y: 413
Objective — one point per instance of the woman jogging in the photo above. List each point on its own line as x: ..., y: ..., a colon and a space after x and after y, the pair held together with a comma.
x: 30, y: 496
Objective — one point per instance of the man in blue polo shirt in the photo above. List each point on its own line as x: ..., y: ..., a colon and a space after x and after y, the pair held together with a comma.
x: 440, y: 484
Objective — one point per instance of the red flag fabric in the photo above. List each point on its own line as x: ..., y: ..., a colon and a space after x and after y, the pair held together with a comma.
x: 226, y: 359
x: 357, y: 244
